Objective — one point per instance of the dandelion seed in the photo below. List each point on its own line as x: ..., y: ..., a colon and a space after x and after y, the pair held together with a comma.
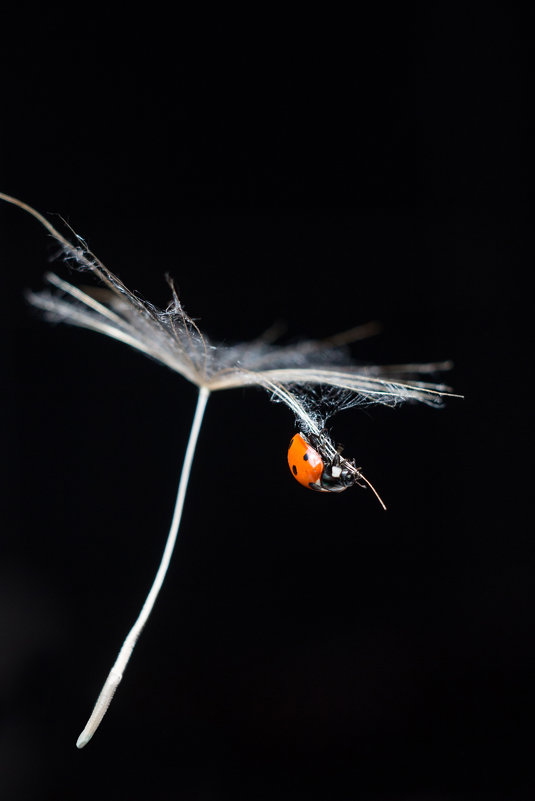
x: 312, y: 378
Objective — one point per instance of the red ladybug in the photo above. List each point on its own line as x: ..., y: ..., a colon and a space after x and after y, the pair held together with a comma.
x: 322, y: 468
x: 320, y: 473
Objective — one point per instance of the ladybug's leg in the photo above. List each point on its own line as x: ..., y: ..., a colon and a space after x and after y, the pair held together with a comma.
x: 359, y: 480
x: 316, y: 487
x: 317, y: 440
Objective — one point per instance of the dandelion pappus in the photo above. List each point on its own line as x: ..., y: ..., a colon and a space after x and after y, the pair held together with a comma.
x: 291, y: 374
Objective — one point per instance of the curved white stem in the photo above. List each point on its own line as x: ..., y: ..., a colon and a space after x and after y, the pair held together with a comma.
x: 116, y: 673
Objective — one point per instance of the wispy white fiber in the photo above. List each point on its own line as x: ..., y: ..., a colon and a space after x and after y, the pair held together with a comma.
x: 313, y: 378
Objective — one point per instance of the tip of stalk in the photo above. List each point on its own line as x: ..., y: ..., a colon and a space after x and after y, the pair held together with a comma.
x: 83, y: 739
x: 370, y: 485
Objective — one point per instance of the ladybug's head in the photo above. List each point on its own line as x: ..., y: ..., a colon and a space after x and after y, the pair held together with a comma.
x: 338, y: 476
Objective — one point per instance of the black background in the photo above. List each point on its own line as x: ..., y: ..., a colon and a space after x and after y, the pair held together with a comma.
x: 303, y: 646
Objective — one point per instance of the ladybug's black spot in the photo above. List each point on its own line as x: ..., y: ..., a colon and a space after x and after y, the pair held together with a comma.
x: 305, y: 457
x: 291, y: 443
x: 294, y: 468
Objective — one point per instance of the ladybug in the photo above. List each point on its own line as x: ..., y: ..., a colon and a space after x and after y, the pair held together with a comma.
x: 319, y: 466
x: 320, y: 472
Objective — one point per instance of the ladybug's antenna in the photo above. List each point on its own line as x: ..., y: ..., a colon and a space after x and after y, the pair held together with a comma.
x: 370, y: 485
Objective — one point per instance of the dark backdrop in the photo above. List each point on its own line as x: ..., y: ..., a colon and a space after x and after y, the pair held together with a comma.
x: 303, y: 646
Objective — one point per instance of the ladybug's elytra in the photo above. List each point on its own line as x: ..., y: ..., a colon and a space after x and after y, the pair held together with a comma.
x: 317, y: 472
